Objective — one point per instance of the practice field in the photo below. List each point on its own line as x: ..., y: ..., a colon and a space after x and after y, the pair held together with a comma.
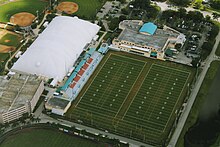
x: 31, y: 6
x: 133, y: 96
x: 10, y: 39
x: 8, y: 43
x: 87, y: 8
x: 46, y: 138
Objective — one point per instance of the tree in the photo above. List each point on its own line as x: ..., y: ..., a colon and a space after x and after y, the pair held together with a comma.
x: 122, y: 1
x: 182, y: 12
x: 141, y: 4
x: 167, y: 15
x: 215, y: 4
x: 122, y: 17
x: 114, y: 23
x: 215, y: 15
x: 195, y: 62
x: 207, y: 18
x: 125, y: 11
x: 195, y: 16
x: 180, y: 2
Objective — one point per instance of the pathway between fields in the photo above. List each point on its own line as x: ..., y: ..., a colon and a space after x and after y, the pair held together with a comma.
x: 131, y: 95
x: 193, y: 94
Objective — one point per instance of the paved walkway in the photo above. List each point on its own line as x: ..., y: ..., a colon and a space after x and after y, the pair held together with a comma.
x: 193, y: 94
x: 133, y: 143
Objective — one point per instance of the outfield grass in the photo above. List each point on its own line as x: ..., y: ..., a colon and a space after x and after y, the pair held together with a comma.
x: 133, y: 96
x: 31, y: 6
x: 14, y: 40
x: 46, y: 138
x: 88, y: 8
x: 200, y: 99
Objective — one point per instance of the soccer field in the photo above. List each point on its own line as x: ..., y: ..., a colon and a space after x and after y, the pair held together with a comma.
x: 132, y: 97
x: 46, y: 138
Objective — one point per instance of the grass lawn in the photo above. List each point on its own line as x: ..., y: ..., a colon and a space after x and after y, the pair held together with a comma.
x: 200, y: 99
x: 46, y: 138
x: 13, y: 40
x: 88, y: 8
x: 7, y: 10
x: 3, y: 57
x: 218, y: 50
x: 133, y: 96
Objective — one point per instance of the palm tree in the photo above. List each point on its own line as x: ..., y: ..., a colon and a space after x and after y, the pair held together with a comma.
x: 215, y: 15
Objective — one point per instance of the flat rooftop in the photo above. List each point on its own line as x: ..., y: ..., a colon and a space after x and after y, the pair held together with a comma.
x: 16, y: 91
x: 134, y: 25
x: 57, y: 102
x: 157, y: 42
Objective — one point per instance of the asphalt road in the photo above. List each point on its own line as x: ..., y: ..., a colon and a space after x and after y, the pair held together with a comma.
x: 132, y: 143
x: 193, y: 94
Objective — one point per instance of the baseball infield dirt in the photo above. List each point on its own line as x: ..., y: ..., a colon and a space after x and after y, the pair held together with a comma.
x: 22, y: 19
x: 68, y: 7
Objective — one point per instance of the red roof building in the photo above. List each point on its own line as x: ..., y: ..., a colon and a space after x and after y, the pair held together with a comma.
x: 81, y: 72
x: 85, y: 66
x: 72, y: 85
x: 76, y: 79
x: 90, y: 60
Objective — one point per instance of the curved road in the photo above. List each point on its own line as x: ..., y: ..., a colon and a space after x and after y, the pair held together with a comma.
x: 193, y: 94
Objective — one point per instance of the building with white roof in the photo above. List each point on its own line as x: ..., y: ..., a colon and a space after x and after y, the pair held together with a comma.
x: 57, y: 48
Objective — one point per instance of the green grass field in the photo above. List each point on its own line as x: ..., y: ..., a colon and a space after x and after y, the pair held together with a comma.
x: 46, y: 138
x: 31, y: 6
x: 133, y: 96
x: 14, y: 40
x: 88, y: 8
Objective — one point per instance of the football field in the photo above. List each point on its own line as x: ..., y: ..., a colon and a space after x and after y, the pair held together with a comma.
x: 132, y: 97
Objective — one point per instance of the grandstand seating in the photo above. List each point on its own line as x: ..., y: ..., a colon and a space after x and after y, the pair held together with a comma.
x: 76, y: 79
x: 91, y: 51
x: 90, y: 60
x: 81, y: 72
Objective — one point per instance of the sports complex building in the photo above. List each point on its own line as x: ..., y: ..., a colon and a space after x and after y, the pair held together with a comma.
x: 18, y: 95
x: 60, y: 48
x: 146, y: 39
x: 115, y: 91
x: 57, y: 48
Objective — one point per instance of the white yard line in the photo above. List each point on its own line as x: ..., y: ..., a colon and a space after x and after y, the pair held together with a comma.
x: 129, y: 58
x: 177, y: 101
x: 108, y: 87
x: 87, y: 104
x: 138, y: 90
x: 130, y: 90
x: 170, y: 68
x: 144, y: 120
x: 112, y: 86
x: 155, y: 104
x: 93, y: 79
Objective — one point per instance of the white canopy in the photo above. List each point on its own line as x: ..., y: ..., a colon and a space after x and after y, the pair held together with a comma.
x: 54, y: 52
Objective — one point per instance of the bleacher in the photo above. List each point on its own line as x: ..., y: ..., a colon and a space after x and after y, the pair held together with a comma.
x: 83, y: 71
x: 91, y: 51
x: 83, y: 75
x: 69, y: 80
